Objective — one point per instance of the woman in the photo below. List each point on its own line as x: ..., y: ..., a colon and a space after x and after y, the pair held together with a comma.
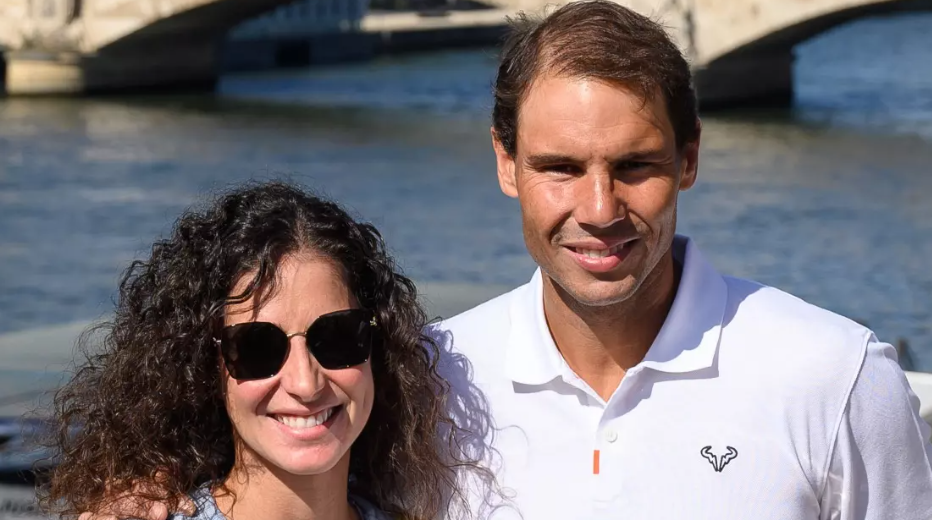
x: 267, y: 360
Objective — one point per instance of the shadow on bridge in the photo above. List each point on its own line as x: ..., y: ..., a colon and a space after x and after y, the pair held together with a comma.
x: 125, y: 45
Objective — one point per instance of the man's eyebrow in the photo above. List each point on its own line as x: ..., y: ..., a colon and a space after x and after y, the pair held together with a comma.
x: 546, y: 159
x: 648, y: 154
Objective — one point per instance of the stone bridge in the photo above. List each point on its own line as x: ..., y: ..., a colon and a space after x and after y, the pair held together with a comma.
x: 74, y: 46
x: 741, y: 50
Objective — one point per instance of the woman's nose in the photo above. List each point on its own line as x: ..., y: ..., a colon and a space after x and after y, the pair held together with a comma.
x: 302, y: 376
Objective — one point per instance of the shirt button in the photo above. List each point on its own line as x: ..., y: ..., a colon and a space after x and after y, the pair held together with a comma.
x: 611, y: 435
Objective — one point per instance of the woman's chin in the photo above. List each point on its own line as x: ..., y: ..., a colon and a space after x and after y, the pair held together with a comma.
x: 311, y: 463
x: 297, y: 458
x: 308, y: 460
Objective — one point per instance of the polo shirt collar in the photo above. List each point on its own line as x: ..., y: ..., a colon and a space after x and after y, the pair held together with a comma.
x: 531, y: 356
x: 688, y: 340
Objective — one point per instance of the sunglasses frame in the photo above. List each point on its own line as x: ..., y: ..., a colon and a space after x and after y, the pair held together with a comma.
x: 372, y: 322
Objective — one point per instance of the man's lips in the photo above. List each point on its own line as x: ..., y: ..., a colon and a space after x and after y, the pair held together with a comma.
x: 600, y: 256
x: 597, y: 247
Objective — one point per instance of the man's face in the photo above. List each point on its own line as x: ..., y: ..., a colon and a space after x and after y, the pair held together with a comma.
x: 597, y: 173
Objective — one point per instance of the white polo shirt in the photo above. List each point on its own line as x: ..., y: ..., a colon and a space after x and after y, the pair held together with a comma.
x: 751, y: 404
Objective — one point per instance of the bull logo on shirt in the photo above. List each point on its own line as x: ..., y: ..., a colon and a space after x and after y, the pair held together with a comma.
x: 718, y: 461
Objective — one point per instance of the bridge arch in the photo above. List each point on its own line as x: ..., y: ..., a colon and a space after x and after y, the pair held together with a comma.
x: 754, y: 64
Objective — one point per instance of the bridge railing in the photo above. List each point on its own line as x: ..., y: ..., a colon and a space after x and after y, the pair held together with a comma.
x: 304, y: 18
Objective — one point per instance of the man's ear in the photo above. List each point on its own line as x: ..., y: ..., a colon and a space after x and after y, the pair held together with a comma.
x: 690, y: 160
x: 505, y: 164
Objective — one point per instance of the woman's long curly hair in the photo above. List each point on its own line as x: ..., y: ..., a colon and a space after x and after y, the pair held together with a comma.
x: 148, y: 406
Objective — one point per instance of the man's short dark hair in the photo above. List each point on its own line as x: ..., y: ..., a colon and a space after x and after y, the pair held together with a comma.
x: 593, y: 39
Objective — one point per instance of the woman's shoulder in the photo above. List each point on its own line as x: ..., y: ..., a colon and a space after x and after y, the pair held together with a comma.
x: 367, y: 510
x: 205, y: 507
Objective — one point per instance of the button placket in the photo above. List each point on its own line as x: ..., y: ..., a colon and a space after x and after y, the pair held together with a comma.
x: 606, y: 442
x: 609, y: 434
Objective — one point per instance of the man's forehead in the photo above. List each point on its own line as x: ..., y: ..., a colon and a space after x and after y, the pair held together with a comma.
x: 584, y: 117
x: 567, y: 107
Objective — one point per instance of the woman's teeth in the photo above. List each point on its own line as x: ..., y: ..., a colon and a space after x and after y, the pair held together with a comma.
x: 294, y: 421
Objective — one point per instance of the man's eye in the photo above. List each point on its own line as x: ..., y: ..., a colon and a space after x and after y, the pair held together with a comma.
x: 562, y: 168
x: 633, y: 165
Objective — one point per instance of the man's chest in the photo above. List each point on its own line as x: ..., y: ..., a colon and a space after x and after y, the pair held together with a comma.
x: 569, y: 457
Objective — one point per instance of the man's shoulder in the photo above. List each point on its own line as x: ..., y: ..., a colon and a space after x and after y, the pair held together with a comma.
x: 471, y: 344
x: 792, y: 339
x: 784, y: 316
x: 488, y: 321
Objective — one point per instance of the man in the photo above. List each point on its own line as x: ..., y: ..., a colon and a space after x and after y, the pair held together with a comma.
x: 628, y: 379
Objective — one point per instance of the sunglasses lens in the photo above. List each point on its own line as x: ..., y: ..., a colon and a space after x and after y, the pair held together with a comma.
x: 253, y: 350
x: 342, y: 339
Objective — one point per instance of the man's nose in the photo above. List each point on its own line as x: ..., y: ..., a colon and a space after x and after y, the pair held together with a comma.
x: 302, y: 375
x: 599, y: 202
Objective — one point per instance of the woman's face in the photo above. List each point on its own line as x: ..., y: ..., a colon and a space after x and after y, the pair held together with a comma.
x: 278, y: 419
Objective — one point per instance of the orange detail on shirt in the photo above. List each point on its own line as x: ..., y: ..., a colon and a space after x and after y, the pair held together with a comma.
x: 595, y: 462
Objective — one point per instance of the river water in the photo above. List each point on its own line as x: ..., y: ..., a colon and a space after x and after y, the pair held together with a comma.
x: 829, y: 200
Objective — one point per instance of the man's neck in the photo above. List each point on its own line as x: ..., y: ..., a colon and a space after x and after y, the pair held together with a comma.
x: 600, y: 344
x: 272, y: 494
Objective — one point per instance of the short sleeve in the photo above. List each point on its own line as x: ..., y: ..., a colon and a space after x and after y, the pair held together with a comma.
x: 881, y: 466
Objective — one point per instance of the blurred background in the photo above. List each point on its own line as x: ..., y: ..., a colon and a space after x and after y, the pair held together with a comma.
x: 814, y: 176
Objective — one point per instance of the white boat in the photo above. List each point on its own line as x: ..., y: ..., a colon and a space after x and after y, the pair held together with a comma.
x: 921, y: 383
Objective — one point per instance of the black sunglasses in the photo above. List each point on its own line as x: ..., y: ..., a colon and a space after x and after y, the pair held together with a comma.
x: 257, y: 350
